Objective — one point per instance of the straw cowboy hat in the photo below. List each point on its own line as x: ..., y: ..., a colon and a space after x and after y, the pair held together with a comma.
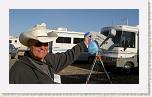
x: 38, y: 32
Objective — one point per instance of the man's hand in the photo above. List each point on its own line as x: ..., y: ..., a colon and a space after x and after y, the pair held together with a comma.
x: 87, y: 38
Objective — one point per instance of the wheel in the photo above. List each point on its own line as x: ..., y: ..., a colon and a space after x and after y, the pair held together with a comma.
x: 128, y: 68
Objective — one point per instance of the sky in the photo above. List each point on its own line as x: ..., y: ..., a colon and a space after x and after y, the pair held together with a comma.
x: 81, y: 20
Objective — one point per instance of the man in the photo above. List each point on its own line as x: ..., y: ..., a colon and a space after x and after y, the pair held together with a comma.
x: 37, y: 66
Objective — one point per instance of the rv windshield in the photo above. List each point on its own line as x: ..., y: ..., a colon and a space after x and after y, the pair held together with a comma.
x: 116, y: 39
x: 105, y: 33
x: 128, y: 39
x: 123, y: 38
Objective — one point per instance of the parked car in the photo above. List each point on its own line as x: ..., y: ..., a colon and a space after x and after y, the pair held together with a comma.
x: 13, y: 52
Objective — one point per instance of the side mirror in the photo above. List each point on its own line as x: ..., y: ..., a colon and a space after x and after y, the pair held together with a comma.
x: 112, y: 33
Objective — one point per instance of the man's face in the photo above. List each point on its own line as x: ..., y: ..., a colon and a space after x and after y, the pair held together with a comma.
x: 38, y: 50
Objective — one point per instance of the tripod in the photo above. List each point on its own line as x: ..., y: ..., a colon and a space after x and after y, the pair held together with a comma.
x: 98, y: 59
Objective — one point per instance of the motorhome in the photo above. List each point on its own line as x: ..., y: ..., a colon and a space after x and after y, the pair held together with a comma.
x: 15, y: 41
x: 125, y: 51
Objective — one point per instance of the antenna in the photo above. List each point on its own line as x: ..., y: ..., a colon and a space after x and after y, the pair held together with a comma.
x: 125, y: 19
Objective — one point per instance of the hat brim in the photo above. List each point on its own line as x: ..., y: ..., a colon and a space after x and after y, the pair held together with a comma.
x: 25, y: 37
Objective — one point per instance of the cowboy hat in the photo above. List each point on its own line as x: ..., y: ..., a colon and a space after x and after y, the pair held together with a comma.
x: 38, y: 32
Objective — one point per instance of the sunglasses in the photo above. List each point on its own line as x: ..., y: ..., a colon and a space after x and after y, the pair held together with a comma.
x: 39, y: 44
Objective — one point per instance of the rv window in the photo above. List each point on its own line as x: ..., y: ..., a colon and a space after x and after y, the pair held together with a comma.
x: 77, y: 40
x: 128, y: 39
x: 105, y: 33
x: 117, y: 38
x: 63, y: 40
x: 124, y: 39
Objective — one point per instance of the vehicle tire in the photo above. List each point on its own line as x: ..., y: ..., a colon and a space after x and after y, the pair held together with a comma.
x: 128, y: 68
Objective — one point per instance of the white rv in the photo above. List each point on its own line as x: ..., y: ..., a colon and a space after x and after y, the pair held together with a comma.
x: 66, y: 40
x: 16, y: 43
x: 124, y: 52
